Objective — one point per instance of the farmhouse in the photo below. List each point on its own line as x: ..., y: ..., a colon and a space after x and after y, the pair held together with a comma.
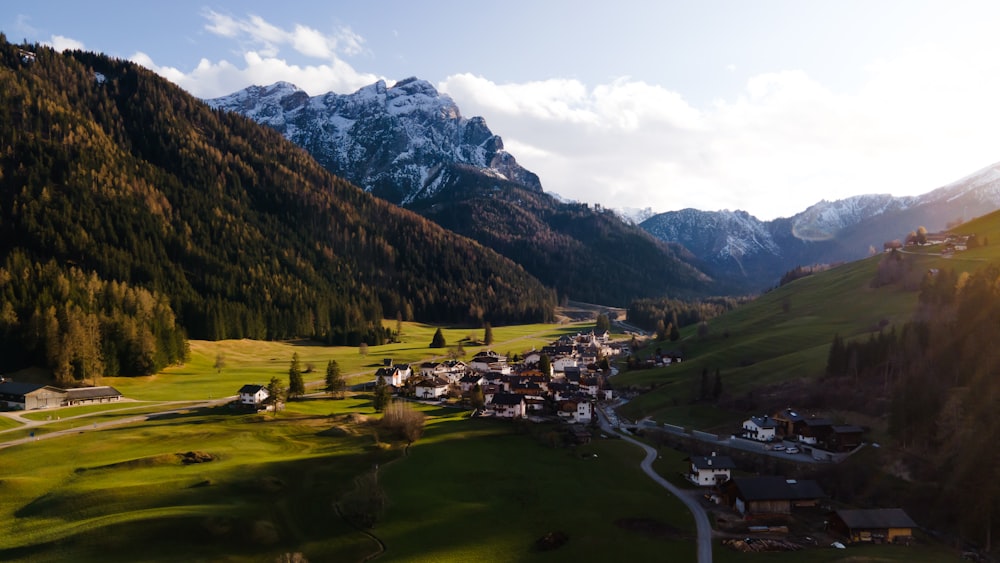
x: 575, y: 410
x: 91, y: 395
x: 879, y: 525
x: 253, y: 395
x: 760, y: 428
x: 28, y: 396
x: 707, y: 471
x: 508, y: 405
x: 431, y: 388
x: 769, y: 496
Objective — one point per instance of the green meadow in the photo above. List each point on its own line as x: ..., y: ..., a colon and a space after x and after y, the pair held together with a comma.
x: 266, y: 485
x: 781, y: 337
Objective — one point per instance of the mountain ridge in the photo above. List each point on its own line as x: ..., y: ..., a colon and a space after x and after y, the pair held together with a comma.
x: 745, y: 250
x: 411, y: 146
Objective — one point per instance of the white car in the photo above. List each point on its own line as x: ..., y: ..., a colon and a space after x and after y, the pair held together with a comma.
x: 792, y: 450
x: 778, y: 447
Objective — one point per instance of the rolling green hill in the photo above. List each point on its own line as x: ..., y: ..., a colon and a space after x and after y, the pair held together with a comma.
x: 782, y: 339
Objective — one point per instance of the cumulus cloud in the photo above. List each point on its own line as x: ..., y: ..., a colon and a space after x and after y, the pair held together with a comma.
x: 919, y: 121
x: 61, y: 43
x: 262, y: 63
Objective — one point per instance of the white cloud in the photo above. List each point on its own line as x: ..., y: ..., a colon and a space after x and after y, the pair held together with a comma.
x: 261, y: 43
x: 61, y: 43
x: 921, y: 120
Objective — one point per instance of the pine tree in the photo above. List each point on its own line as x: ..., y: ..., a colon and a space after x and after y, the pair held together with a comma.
x: 545, y: 364
x: 335, y: 384
x: 382, y: 395
x: 296, y: 386
x: 488, y: 334
x: 603, y: 324
x: 477, y: 398
x: 438, y: 340
x: 275, y: 393
x: 717, y: 388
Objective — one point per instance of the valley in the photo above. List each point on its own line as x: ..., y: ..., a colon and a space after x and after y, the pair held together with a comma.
x: 182, y: 253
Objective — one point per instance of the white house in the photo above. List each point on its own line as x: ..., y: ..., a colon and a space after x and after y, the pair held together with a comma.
x: 710, y: 470
x: 253, y: 395
x: 467, y: 382
x: 432, y: 388
x: 391, y: 376
x: 561, y: 363
x: 575, y: 410
x: 760, y: 428
x: 508, y: 405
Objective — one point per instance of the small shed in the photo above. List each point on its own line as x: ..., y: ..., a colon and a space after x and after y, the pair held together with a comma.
x: 878, y: 525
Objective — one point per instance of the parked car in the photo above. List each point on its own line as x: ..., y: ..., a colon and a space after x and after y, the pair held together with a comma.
x: 778, y: 447
x: 792, y: 450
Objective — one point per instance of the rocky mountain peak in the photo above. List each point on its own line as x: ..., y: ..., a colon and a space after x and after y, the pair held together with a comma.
x: 396, y: 142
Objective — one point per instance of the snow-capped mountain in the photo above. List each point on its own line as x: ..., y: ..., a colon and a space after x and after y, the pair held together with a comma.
x: 397, y: 142
x: 738, y: 246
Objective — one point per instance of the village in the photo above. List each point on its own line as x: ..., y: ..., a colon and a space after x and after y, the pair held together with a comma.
x: 570, y: 381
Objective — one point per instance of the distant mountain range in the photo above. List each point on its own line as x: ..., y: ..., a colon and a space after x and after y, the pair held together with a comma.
x: 743, y: 250
x: 411, y: 145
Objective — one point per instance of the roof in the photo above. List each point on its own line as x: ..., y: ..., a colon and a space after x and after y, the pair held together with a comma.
x: 876, y: 518
x: 92, y: 392
x: 19, y: 388
x: 432, y: 382
x: 507, y: 399
x: 777, y: 488
x: 847, y: 429
x: 817, y: 422
x: 790, y: 415
x: 251, y: 389
x: 763, y: 421
x: 712, y: 462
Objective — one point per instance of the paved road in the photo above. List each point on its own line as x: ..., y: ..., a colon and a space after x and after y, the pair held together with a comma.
x: 84, y: 427
x: 700, y: 516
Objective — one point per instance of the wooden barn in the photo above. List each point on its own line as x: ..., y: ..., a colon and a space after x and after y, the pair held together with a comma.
x: 879, y: 525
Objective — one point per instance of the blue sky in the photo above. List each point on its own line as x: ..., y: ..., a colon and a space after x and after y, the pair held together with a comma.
x: 766, y: 106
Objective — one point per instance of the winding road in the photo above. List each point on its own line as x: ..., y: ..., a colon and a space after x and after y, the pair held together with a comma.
x: 702, y: 524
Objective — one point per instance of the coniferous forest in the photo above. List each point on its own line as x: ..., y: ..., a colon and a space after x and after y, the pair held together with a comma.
x: 129, y: 207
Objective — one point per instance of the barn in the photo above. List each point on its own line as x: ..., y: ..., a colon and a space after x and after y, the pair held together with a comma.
x: 15, y: 395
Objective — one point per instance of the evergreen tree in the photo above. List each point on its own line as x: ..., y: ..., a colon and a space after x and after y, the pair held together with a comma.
x: 488, y: 335
x: 438, y: 340
x: 661, y: 330
x: 383, y: 395
x: 477, y: 398
x: 545, y: 364
x: 275, y: 393
x: 705, y: 387
x: 675, y: 333
x: 603, y: 324
x: 296, y: 387
x: 717, y: 388
x: 335, y: 384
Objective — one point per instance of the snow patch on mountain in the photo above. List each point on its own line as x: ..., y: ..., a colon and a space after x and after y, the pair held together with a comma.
x: 825, y: 219
x: 392, y: 141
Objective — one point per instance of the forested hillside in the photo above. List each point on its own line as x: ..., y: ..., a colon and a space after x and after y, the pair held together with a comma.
x: 587, y: 255
x: 109, y: 169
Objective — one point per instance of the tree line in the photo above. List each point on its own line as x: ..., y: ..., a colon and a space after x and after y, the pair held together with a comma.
x: 663, y: 313
x: 938, y: 373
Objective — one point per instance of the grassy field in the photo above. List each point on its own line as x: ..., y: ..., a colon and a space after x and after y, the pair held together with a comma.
x: 251, y: 361
x: 125, y: 494
x: 784, y: 335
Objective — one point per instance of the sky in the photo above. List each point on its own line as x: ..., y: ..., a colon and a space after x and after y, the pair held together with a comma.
x: 766, y: 106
